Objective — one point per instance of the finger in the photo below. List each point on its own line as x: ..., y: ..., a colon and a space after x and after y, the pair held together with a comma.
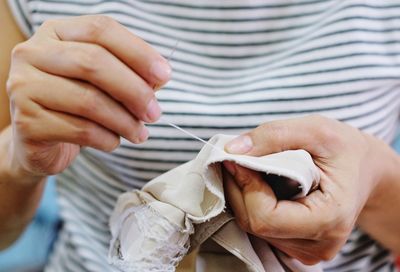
x: 108, y: 33
x: 278, y: 219
x: 84, y: 100
x: 307, y: 251
x: 311, y: 133
x: 51, y: 126
x: 96, y: 65
x: 299, y: 249
x: 249, y: 181
x: 235, y: 198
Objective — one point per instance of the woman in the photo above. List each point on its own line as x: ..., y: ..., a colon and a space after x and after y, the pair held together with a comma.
x: 82, y: 82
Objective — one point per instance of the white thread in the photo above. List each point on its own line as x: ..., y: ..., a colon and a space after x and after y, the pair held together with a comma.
x: 189, y: 133
x: 173, y: 51
x: 176, y: 126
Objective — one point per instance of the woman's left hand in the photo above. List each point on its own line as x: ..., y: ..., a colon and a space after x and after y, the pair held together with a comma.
x: 315, y: 227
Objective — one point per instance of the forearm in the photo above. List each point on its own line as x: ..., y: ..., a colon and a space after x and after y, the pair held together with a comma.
x: 20, y: 193
x: 380, y: 217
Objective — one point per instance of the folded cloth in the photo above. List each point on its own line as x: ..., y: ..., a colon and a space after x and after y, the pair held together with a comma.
x: 152, y: 229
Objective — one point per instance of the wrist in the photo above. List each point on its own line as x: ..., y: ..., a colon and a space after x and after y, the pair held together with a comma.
x: 379, y: 217
x: 387, y: 172
x: 10, y: 168
x: 20, y: 192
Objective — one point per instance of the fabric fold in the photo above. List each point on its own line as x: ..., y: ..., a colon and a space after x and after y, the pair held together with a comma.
x: 152, y: 228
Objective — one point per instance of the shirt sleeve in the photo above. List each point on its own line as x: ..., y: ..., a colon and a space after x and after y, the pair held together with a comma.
x: 22, y: 12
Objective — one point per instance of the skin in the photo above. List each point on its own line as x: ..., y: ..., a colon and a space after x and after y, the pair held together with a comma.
x: 360, y: 185
x: 87, y: 81
x: 77, y: 82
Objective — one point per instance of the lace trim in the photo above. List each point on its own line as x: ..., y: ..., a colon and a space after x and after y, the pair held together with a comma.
x: 162, y: 245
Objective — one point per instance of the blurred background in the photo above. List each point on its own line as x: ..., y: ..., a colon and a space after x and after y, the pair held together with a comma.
x: 30, y: 252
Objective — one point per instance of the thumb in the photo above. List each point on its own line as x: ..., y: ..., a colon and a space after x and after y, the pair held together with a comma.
x: 308, y: 133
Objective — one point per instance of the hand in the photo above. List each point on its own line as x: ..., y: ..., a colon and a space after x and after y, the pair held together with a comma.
x: 82, y: 81
x: 315, y: 227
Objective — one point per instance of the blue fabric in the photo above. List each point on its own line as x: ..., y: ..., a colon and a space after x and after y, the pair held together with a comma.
x: 30, y: 251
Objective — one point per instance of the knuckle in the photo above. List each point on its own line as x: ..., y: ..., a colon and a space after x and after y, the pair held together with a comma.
x: 334, y: 226
x: 133, y: 129
x: 326, y: 255
x: 21, y: 50
x: 18, y: 105
x: 21, y: 122
x: 339, y: 232
x: 89, y: 102
x: 326, y: 132
x: 276, y: 127
x: 88, y: 59
x: 272, y: 131
x: 243, y: 177
x: 85, y: 134
x: 318, y: 118
x: 328, y: 135
x: 97, y: 25
x: 15, y: 82
x: 308, y: 260
x: 321, y: 253
x: 325, y: 229
x: 258, y: 226
x: 112, y: 144
x: 49, y: 23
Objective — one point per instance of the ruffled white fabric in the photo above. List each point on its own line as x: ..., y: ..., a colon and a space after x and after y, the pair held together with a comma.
x: 152, y: 228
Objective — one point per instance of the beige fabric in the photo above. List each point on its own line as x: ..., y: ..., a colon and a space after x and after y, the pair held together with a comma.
x: 188, y: 263
x: 152, y: 228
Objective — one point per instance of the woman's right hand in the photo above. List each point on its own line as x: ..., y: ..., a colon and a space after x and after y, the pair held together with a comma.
x: 82, y: 81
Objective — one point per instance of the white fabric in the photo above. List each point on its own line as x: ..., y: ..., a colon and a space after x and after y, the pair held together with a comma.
x: 151, y: 227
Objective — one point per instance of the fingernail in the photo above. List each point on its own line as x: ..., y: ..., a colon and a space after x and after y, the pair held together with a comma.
x: 144, y: 134
x: 161, y: 70
x: 239, y: 145
x: 230, y: 166
x: 153, y: 111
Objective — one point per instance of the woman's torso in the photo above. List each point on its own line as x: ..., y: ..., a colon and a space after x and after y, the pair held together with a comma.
x: 237, y: 64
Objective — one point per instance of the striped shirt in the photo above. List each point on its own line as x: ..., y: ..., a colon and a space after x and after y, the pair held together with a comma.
x: 239, y: 63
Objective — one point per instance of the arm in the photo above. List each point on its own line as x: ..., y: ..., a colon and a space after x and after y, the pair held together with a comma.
x: 380, y: 217
x: 19, y: 193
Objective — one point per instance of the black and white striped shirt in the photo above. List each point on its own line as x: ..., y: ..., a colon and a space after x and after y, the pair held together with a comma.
x: 239, y: 63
